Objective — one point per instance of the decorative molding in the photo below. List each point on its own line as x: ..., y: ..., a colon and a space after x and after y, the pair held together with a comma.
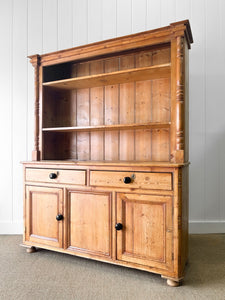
x: 180, y: 94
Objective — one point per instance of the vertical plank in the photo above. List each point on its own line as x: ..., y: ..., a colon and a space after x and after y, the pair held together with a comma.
x: 168, y: 12
x: 108, y: 19
x: 183, y: 9
x: 111, y: 113
x: 139, y: 14
x: 94, y: 20
x: 50, y: 25
x: 143, y: 110
x: 153, y: 14
x: 197, y: 112
x: 222, y: 141
x: 83, y: 139
x: 160, y: 109
x: 127, y: 102
x: 96, y: 113
x: 212, y: 128
x: 35, y: 10
x: 80, y: 22
x: 19, y: 109
x: 65, y: 21
x: 124, y: 17
x: 6, y: 22
x: 160, y: 145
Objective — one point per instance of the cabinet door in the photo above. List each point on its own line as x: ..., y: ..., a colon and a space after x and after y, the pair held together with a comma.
x: 146, y: 235
x: 43, y: 204
x: 89, y: 222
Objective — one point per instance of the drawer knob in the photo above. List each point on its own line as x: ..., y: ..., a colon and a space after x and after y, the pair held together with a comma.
x: 59, y: 217
x: 52, y: 175
x: 119, y: 226
x: 127, y: 180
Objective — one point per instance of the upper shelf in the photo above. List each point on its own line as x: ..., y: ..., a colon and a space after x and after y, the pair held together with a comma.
x: 153, y: 125
x: 124, y: 76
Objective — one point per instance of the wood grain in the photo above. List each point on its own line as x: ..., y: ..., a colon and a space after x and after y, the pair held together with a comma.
x: 158, y: 181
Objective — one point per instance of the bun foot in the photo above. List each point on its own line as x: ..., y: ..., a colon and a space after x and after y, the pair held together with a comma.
x: 31, y: 250
x: 172, y: 283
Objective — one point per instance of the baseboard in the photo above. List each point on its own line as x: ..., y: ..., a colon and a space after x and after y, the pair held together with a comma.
x: 11, y: 227
x: 206, y: 227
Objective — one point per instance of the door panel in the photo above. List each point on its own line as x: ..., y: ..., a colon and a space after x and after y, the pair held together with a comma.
x: 42, y: 206
x: 146, y: 237
x: 89, y: 222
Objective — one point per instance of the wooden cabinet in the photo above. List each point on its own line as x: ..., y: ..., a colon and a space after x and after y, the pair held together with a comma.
x: 108, y: 178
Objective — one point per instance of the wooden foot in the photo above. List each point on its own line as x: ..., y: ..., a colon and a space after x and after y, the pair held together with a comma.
x: 173, y: 283
x: 31, y: 250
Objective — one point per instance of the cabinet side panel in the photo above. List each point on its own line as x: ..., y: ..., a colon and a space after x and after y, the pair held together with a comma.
x: 185, y: 216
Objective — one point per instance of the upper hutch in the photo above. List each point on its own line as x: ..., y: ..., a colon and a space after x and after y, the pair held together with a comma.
x: 108, y: 178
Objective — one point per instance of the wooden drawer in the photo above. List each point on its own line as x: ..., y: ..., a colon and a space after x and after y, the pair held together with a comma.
x: 62, y: 176
x: 142, y: 180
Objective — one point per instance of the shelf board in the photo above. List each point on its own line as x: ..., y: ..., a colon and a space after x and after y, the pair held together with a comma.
x: 108, y: 127
x: 130, y: 75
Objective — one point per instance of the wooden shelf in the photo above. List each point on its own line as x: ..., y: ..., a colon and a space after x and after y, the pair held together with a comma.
x: 130, y: 75
x: 108, y: 127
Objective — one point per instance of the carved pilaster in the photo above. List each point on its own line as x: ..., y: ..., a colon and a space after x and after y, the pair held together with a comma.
x: 180, y: 95
x: 35, y: 61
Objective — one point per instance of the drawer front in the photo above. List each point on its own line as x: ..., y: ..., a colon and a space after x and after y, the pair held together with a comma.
x: 56, y: 176
x: 141, y: 180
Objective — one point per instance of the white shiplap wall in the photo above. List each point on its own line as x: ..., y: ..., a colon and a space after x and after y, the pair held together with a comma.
x: 31, y: 26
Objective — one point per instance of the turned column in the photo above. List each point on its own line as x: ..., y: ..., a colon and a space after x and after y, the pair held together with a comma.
x: 177, y: 100
x: 35, y: 61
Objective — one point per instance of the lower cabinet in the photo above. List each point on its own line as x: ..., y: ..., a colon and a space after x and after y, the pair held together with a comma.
x: 44, y: 215
x: 145, y: 228
x: 127, y: 228
x: 143, y: 223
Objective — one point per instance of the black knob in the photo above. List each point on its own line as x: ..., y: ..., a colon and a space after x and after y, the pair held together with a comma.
x: 52, y: 175
x: 127, y: 180
x: 59, y: 217
x: 119, y: 226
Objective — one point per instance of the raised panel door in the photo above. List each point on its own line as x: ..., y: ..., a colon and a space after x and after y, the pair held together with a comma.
x: 43, y: 204
x: 146, y: 235
x: 89, y: 222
